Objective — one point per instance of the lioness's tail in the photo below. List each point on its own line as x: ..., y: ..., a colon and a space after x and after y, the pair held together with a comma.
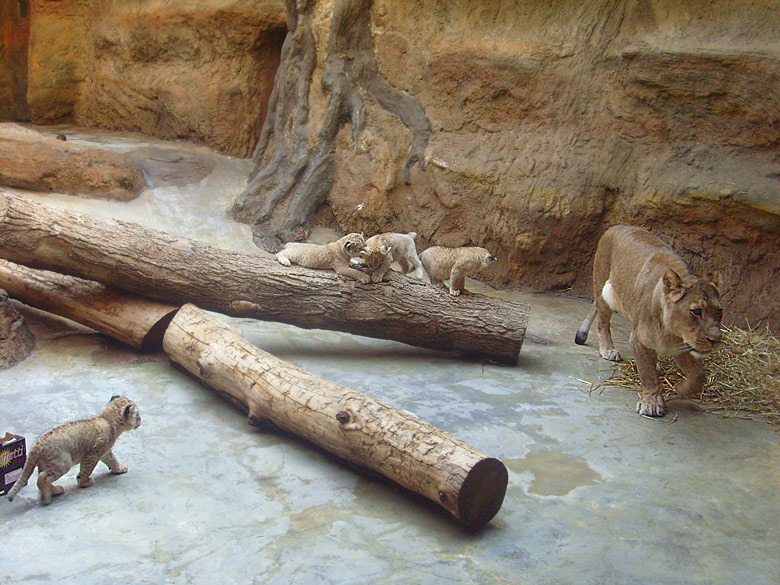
x: 32, y: 461
x: 582, y: 332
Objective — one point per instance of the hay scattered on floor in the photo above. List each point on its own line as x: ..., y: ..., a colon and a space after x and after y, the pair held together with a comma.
x: 743, y: 376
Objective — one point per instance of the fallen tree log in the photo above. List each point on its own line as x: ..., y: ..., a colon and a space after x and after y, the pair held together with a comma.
x: 468, y: 484
x: 31, y: 160
x: 178, y: 270
x: 138, y: 322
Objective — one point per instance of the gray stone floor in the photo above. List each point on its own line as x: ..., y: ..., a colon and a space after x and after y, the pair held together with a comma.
x: 597, y: 494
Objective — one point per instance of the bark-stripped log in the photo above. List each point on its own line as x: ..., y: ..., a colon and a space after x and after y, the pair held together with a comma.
x: 140, y: 323
x: 468, y: 484
x: 177, y: 270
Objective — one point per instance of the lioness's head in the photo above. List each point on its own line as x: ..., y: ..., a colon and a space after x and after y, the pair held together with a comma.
x: 692, y: 310
x: 352, y: 244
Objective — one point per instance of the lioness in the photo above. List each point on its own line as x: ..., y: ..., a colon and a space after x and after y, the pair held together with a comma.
x: 672, y: 311
x: 335, y: 255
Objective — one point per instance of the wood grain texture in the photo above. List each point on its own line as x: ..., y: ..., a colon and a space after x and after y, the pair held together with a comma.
x: 177, y: 270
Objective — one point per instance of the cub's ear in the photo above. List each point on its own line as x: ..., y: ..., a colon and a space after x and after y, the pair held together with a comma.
x: 673, y: 285
x: 713, y: 278
x: 114, y: 397
x: 363, y: 253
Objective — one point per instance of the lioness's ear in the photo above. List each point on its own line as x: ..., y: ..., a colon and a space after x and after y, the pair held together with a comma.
x: 713, y: 278
x: 385, y: 250
x: 673, y: 286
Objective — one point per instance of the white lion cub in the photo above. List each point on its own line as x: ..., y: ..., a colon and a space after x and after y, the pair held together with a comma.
x: 384, y: 249
x: 335, y: 255
x: 454, y: 264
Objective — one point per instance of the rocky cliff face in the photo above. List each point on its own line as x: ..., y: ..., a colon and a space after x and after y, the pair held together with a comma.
x: 552, y: 121
x: 14, y: 39
x: 548, y: 121
x: 201, y: 71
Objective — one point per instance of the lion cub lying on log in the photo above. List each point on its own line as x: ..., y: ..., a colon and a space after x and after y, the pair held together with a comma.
x: 672, y: 311
x: 384, y: 249
x: 454, y: 264
x: 335, y: 255
x: 83, y: 441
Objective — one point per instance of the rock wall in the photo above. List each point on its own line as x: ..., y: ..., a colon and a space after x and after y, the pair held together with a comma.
x: 550, y: 121
x: 14, y: 39
x: 201, y: 71
x: 554, y: 120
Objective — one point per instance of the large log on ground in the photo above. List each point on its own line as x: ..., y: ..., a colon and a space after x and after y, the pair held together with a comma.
x: 468, y: 484
x: 30, y: 160
x: 136, y: 321
x: 177, y: 270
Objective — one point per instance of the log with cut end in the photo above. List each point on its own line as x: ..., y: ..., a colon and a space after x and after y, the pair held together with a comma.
x: 177, y: 270
x: 468, y: 484
x: 138, y: 322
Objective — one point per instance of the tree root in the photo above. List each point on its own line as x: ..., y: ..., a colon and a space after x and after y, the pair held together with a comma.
x: 295, y: 170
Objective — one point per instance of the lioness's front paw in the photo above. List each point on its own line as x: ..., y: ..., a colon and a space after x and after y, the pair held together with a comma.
x: 119, y: 469
x: 612, y: 355
x: 651, y: 406
x: 454, y: 293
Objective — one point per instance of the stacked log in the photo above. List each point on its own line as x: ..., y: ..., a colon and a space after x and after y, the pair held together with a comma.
x: 177, y: 270
x: 133, y: 320
x: 351, y: 425
x: 467, y: 483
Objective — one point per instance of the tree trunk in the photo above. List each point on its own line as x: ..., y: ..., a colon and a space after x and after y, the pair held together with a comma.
x: 177, y: 270
x: 140, y: 323
x: 296, y: 168
x: 468, y: 484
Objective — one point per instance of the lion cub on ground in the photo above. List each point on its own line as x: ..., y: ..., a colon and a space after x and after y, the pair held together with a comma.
x: 335, y: 255
x: 83, y: 441
x: 384, y: 249
x: 672, y: 311
x: 454, y: 264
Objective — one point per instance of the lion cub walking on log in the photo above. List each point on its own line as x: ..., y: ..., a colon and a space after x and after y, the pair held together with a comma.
x: 335, y: 255
x: 83, y: 441
x: 384, y: 249
x: 454, y: 264
x: 672, y: 311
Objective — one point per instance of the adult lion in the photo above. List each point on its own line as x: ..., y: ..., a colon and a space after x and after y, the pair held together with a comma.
x: 672, y: 311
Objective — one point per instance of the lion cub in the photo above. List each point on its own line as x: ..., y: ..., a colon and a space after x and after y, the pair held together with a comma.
x: 83, y: 441
x: 384, y: 249
x: 335, y: 255
x: 454, y: 264
x: 672, y: 311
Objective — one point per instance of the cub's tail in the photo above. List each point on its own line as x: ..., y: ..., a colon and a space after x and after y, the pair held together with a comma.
x: 32, y: 461
x: 582, y: 332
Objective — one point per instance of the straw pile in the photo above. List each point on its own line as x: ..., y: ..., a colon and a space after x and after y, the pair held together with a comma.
x: 743, y: 376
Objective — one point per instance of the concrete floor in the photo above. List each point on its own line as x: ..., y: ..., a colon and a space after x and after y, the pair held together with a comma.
x: 597, y: 494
